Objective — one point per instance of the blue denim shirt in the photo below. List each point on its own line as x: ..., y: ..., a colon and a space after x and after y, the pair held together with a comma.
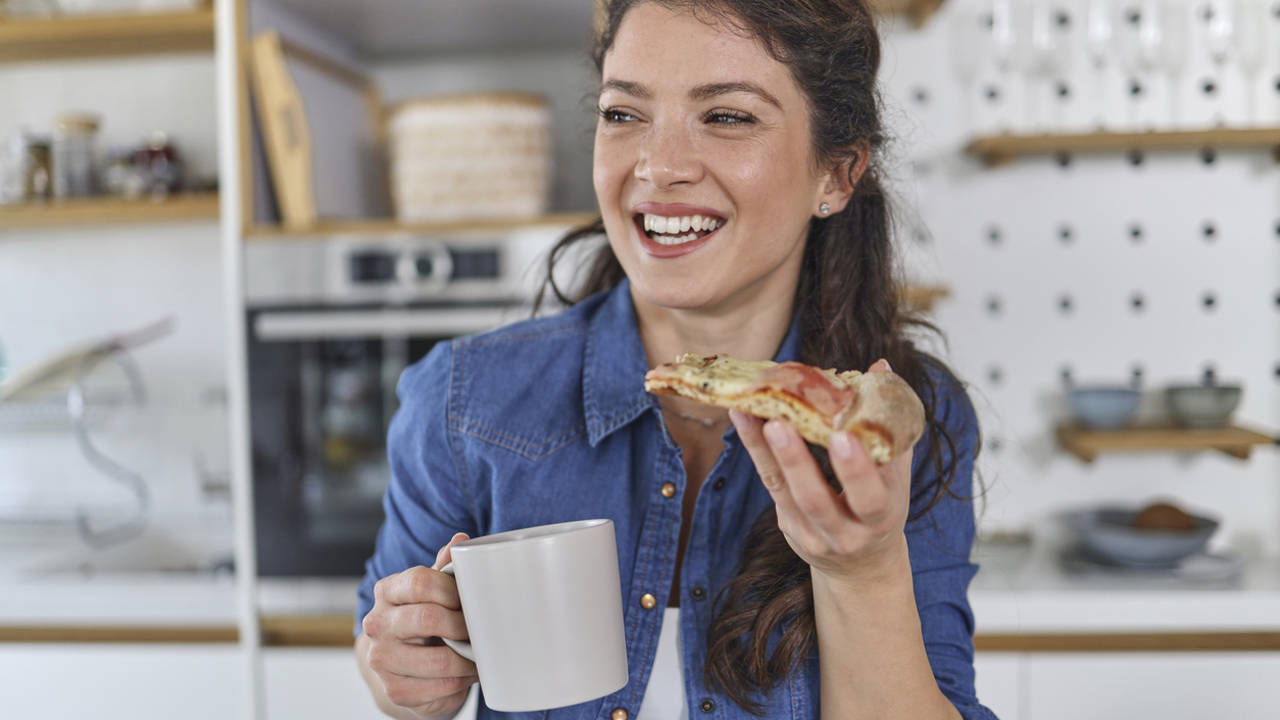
x: 547, y: 421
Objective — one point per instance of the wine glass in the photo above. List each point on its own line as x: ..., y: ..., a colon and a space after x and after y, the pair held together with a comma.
x: 1008, y: 46
x: 1220, y: 30
x: 1047, y: 51
x: 1250, y: 46
x: 968, y: 39
x: 1141, y: 39
x: 1099, y: 36
x: 1175, y: 25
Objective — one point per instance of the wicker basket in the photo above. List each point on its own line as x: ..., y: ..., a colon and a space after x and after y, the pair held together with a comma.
x: 464, y: 157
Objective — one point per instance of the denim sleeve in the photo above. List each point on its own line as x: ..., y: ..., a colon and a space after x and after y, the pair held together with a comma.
x: 940, y: 543
x: 425, y: 503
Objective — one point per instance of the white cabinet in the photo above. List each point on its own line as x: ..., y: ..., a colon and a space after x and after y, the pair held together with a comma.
x: 315, y: 683
x: 999, y: 683
x: 323, y: 684
x: 1169, y: 686
x: 124, y: 682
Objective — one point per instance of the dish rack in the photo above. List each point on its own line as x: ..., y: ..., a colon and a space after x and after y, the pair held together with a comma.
x: 53, y: 397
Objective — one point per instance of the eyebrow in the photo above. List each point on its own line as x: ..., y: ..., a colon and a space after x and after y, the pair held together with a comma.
x: 701, y: 92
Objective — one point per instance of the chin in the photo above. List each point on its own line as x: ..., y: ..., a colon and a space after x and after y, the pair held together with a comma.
x: 673, y: 296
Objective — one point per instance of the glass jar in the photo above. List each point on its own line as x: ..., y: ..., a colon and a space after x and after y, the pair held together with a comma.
x: 159, y: 164
x: 73, y: 155
x: 39, y: 169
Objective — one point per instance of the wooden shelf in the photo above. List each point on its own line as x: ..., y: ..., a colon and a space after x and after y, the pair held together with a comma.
x: 383, y: 227
x: 23, y: 39
x: 922, y: 298
x: 1088, y: 444
x: 109, y: 211
x: 998, y: 150
x: 917, y: 11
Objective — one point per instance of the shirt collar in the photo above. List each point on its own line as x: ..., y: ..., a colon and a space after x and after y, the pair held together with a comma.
x: 614, y: 365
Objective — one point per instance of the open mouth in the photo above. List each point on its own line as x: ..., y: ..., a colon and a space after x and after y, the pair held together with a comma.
x: 673, y: 230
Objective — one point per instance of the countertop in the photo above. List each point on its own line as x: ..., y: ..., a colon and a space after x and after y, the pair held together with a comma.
x: 1013, y: 595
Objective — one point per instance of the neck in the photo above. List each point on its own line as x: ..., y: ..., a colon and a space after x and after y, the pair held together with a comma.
x: 750, y: 331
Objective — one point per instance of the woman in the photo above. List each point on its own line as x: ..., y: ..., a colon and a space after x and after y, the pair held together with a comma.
x: 735, y: 171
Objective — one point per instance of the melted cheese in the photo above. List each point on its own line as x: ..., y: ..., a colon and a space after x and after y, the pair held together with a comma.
x: 723, y: 376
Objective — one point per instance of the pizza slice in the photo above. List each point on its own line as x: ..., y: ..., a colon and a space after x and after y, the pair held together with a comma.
x: 880, y: 408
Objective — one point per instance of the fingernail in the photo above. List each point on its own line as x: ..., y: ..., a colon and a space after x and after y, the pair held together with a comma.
x: 776, y: 434
x: 841, y: 447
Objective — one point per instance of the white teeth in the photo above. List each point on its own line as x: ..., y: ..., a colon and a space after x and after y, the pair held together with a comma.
x: 664, y: 225
x: 676, y: 239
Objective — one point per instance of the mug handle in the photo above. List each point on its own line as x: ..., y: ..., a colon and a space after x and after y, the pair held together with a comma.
x: 462, y: 648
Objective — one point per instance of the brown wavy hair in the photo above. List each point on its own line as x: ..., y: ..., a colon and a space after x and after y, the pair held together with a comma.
x: 848, y: 301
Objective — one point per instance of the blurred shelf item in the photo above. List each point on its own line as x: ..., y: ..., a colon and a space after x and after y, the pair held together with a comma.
x: 917, y: 11
x: 1001, y: 149
x: 26, y: 40
x: 110, y: 211
x: 922, y: 298
x: 1088, y: 444
x: 387, y: 226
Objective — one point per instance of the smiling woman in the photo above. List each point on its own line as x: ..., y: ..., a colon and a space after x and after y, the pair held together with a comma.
x: 736, y: 171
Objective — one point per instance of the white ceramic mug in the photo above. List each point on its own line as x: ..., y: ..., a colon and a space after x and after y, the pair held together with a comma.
x: 543, y: 606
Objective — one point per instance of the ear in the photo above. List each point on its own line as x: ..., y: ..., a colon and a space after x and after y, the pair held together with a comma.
x: 838, y: 185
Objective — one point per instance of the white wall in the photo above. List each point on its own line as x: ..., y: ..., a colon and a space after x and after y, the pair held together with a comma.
x: 950, y: 206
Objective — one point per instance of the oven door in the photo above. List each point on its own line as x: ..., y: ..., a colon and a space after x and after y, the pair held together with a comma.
x: 322, y: 385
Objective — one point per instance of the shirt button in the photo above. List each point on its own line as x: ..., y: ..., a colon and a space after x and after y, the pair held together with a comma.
x: 669, y: 490
x: 618, y: 714
x: 707, y: 706
x: 698, y: 592
x: 648, y: 601
x: 719, y: 484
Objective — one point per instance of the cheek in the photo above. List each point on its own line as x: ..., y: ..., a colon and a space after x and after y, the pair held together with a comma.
x: 772, y: 179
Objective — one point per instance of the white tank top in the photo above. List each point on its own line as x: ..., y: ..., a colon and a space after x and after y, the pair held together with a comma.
x: 664, y: 695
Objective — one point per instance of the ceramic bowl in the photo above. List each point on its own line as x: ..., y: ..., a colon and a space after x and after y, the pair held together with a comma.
x: 1103, y: 407
x: 1108, y: 535
x: 1202, y: 406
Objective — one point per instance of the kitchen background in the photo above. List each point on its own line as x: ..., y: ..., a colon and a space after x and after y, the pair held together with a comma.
x: 200, y: 562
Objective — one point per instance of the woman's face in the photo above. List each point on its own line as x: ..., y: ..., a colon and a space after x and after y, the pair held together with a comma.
x: 703, y: 164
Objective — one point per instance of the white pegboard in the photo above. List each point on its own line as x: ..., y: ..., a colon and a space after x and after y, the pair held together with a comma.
x: 1132, y: 244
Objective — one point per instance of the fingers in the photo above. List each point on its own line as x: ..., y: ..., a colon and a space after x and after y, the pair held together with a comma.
x: 420, y: 621
x: 751, y: 432
x: 417, y: 585
x: 445, y: 556
x: 880, y: 365
x: 419, y: 661
x: 866, y: 492
x: 809, y: 492
x: 432, y: 693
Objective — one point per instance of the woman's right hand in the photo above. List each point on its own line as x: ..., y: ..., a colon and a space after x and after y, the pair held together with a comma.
x: 411, y: 611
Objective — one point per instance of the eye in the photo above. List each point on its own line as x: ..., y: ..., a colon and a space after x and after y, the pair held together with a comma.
x: 614, y: 116
x: 728, y: 118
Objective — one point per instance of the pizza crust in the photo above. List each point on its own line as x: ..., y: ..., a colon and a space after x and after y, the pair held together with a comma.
x: 885, y: 414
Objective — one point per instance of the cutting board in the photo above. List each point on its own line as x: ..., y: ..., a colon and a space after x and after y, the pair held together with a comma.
x: 283, y: 119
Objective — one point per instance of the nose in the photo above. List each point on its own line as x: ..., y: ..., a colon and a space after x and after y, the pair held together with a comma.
x: 667, y: 157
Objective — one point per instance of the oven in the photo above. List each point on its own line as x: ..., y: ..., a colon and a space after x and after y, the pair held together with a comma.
x: 332, y: 324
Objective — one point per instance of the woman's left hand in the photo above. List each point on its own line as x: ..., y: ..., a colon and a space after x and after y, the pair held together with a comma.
x: 842, y: 535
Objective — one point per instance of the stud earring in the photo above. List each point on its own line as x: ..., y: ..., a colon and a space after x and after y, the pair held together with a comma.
x: 823, y: 209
